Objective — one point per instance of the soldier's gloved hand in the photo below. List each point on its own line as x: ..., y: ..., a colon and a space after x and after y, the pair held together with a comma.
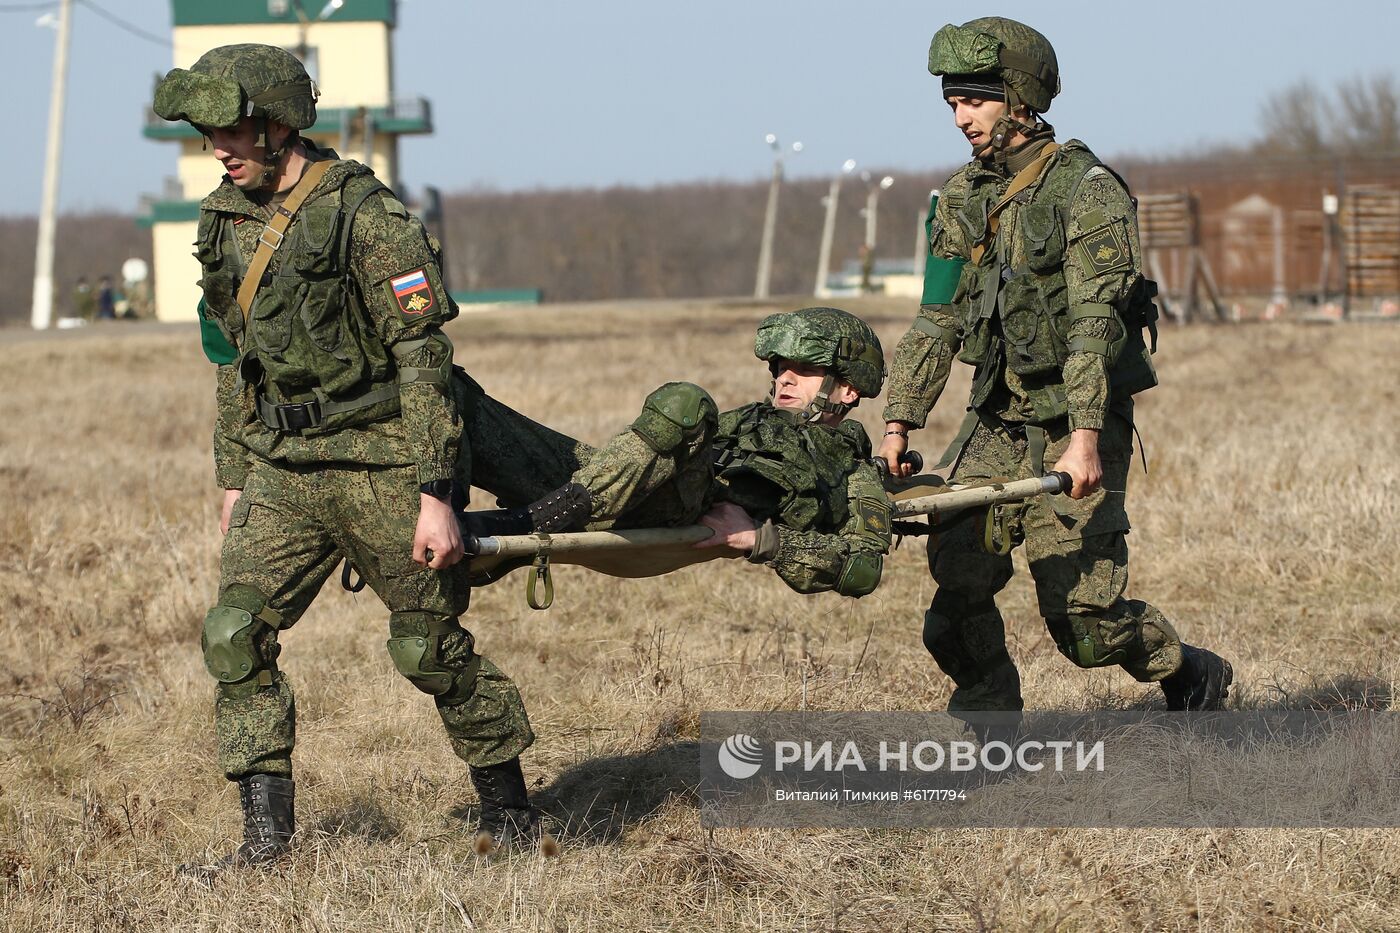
x: 733, y: 528
x: 1081, y: 461
x: 437, y: 532
x: 894, y: 445
x: 226, y: 514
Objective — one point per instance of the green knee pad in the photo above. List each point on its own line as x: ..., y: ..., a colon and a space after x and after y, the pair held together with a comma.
x: 673, y: 414
x: 860, y: 574
x: 231, y: 652
x: 417, y: 655
x: 1077, y: 638
x: 415, y: 658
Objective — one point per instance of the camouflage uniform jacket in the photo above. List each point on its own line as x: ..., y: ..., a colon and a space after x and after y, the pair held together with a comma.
x: 812, y: 488
x: 339, y: 295
x: 1036, y: 231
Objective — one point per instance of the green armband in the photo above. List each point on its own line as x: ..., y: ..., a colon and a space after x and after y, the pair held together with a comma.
x: 216, y: 346
x: 941, y: 280
x: 940, y: 275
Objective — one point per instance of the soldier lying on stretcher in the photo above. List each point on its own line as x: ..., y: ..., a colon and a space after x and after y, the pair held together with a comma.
x: 787, y: 481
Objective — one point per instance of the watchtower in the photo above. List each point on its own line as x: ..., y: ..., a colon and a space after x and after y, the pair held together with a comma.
x: 347, y: 48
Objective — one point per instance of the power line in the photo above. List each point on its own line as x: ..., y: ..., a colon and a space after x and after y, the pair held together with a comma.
x: 124, y: 25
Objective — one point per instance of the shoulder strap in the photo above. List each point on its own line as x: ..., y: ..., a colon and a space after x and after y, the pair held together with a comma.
x: 1023, y: 180
x: 271, y: 237
x: 350, y: 212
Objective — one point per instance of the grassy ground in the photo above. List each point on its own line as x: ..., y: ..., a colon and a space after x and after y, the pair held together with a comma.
x: 1266, y: 529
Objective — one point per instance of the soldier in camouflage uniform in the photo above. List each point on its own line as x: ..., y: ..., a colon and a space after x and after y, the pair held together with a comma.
x: 787, y: 481
x: 337, y: 435
x: 1034, y: 278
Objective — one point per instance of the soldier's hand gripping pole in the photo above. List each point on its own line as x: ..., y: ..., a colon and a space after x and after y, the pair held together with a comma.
x: 940, y: 506
x: 911, y: 457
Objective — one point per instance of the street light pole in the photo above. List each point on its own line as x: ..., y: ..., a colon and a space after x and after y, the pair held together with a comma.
x: 829, y: 228
x: 871, y: 206
x: 41, y: 309
x: 770, y: 219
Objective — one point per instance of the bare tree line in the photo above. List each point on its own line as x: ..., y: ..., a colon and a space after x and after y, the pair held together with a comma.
x: 1360, y: 117
x: 698, y: 239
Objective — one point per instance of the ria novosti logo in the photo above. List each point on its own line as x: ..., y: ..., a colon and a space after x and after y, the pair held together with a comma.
x: 740, y: 756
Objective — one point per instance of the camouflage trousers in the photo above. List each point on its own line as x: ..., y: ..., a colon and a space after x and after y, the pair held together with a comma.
x: 1078, y: 558
x: 507, y: 454
x: 632, y: 483
x: 290, y: 529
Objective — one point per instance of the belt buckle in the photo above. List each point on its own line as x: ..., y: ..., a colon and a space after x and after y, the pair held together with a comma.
x: 273, y: 245
x: 300, y: 416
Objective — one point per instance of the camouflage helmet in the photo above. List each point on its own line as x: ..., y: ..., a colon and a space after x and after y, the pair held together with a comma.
x: 829, y: 337
x: 235, y: 81
x: 1023, y: 58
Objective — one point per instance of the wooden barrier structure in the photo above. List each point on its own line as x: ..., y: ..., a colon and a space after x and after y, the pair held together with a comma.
x: 1171, y: 222
x: 1371, y: 221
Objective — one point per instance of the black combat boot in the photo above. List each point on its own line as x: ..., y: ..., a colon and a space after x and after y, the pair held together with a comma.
x: 565, y: 509
x: 268, y: 823
x: 1201, y: 683
x: 507, y: 819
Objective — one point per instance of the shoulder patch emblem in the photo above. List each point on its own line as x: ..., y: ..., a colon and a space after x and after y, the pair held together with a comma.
x: 874, y: 516
x: 1105, y: 249
x: 412, y: 291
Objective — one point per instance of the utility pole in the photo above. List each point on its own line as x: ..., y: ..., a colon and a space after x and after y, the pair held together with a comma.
x: 829, y: 228
x: 872, y: 201
x: 770, y: 219
x: 41, y: 311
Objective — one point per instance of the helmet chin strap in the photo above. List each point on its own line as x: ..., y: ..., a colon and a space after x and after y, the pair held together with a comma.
x: 821, y: 403
x: 998, y: 147
x: 272, y: 158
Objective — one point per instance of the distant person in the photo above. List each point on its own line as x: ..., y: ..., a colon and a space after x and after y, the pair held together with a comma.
x: 336, y: 437
x: 138, y: 298
x: 106, y: 299
x: 84, y: 301
x: 1034, y: 278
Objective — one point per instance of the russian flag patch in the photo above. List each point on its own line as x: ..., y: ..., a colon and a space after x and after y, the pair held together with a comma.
x: 412, y: 291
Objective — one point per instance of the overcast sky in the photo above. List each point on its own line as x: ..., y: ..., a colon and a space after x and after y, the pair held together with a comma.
x: 566, y: 93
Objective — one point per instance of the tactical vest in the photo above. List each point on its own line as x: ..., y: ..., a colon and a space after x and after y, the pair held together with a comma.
x: 776, y: 466
x: 1019, y: 315
x: 309, y: 347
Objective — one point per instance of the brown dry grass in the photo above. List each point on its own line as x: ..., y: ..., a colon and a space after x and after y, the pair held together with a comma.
x: 1267, y: 530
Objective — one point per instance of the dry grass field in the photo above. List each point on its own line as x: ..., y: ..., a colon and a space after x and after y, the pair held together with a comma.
x: 1268, y: 529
